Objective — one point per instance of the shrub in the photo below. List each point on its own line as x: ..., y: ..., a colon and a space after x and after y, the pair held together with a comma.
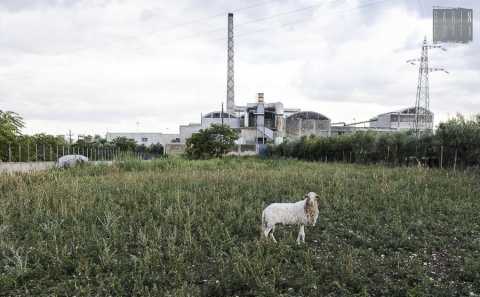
x: 215, y: 141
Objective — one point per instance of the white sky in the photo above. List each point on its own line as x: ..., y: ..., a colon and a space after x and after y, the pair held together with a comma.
x: 148, y: 65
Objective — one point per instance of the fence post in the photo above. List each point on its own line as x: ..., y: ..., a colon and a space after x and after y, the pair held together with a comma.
x: 441, y: 157
x: 56, y: 154
x: 9, y: 153
x: 44, y: 158
x: 19, y: 153
x: 455, y: 160
x: 28, y: 152
x: 51, y: 153
x: 388, y: 154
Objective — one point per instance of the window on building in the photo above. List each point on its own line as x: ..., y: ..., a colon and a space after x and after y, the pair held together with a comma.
x: 144, y: 139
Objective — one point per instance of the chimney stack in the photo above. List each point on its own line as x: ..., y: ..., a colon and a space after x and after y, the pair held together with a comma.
x: 230, y: 70
x: 260, y: 97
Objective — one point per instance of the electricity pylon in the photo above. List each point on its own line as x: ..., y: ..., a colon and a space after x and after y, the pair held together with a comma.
x: 423, y: 115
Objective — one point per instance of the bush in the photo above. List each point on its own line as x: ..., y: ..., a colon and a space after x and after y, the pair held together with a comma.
x: 455, y: 143
x: 215, y: 141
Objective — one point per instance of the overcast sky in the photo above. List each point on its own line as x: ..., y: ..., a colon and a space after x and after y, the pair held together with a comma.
x: 148, y: 65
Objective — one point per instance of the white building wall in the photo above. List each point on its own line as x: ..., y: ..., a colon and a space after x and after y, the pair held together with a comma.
x: 398, y: 121
x: 186, y: 131
x: 232, y: 122
x: 145, y: 138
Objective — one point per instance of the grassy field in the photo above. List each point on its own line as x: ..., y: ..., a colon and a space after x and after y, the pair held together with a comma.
x: 192, y: 228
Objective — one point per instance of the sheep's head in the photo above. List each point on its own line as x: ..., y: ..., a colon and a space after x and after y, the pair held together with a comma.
x: 311, y: 207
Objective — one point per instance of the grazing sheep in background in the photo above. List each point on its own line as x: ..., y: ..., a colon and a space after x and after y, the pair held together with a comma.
x: 70, y: 161
x: 301, y: 213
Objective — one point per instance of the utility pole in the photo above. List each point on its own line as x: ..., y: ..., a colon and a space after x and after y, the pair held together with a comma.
x: 423, y: 116
x: 70, y: 136
x: 222, y: 114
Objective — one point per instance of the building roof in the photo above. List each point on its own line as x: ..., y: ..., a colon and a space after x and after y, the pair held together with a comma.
x: 308, y: 115
x: 408, y: 110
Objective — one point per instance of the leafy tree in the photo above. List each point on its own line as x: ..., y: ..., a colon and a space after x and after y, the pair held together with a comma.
x: 156, y: 149
x: 124, y: 144
x: 11, y: 125
x: 214, y: 141
x: 99, y: 140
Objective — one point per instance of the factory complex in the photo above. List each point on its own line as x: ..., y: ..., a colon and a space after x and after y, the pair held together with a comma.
x: 270, y: 122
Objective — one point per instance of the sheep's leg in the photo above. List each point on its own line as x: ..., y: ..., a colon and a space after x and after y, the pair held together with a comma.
x: 267, y: 231
x: 273, y: 237
x: 301, y: 234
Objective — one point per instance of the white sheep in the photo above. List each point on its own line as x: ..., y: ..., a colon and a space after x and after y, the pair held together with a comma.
x: 304, y: 212
x: 70, y: 161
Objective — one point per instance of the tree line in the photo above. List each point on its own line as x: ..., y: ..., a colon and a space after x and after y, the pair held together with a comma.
x: 456, y: 143
x: 15, y: 146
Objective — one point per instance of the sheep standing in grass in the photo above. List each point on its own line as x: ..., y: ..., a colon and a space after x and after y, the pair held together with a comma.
x: 304, y: 212
x: 70, y: 161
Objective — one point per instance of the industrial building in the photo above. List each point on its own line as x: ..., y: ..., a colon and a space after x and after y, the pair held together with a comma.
x: 258, y: 122
x: 268, y: 121
x: 146, y: 139
x: 404, y: 119
x: 307, y: 123
x: 263, y: 122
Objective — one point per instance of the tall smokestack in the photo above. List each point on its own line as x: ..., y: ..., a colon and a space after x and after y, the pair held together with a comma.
x: 230, y: 70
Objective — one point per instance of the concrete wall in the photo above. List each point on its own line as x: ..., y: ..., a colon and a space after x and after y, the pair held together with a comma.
x: 247, y: 136
x: 232, y: 122
x: 145, y: 138
x: 175, y: 148
x: 300, y: 127
x: 12, y: 167
x: 400, y: 121
x: 186, y: 131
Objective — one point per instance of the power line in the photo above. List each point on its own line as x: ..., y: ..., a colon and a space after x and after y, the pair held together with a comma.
x: 272, y: 17
x: 209, y: 18
x: 302, y: 21
x: 222, y: 29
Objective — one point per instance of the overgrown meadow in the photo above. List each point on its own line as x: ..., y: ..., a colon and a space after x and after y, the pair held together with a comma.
x: 175, y: 227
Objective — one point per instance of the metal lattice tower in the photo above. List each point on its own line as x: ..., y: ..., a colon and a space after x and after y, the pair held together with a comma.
x: 423, y: 116
x: 230, y: 70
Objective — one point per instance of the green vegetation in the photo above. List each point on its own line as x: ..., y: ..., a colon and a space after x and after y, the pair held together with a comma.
x: 214, y: 141
x: 176, y: 227
x: 456, y: 143
x: 16, y: 147
x: 11, y: 125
